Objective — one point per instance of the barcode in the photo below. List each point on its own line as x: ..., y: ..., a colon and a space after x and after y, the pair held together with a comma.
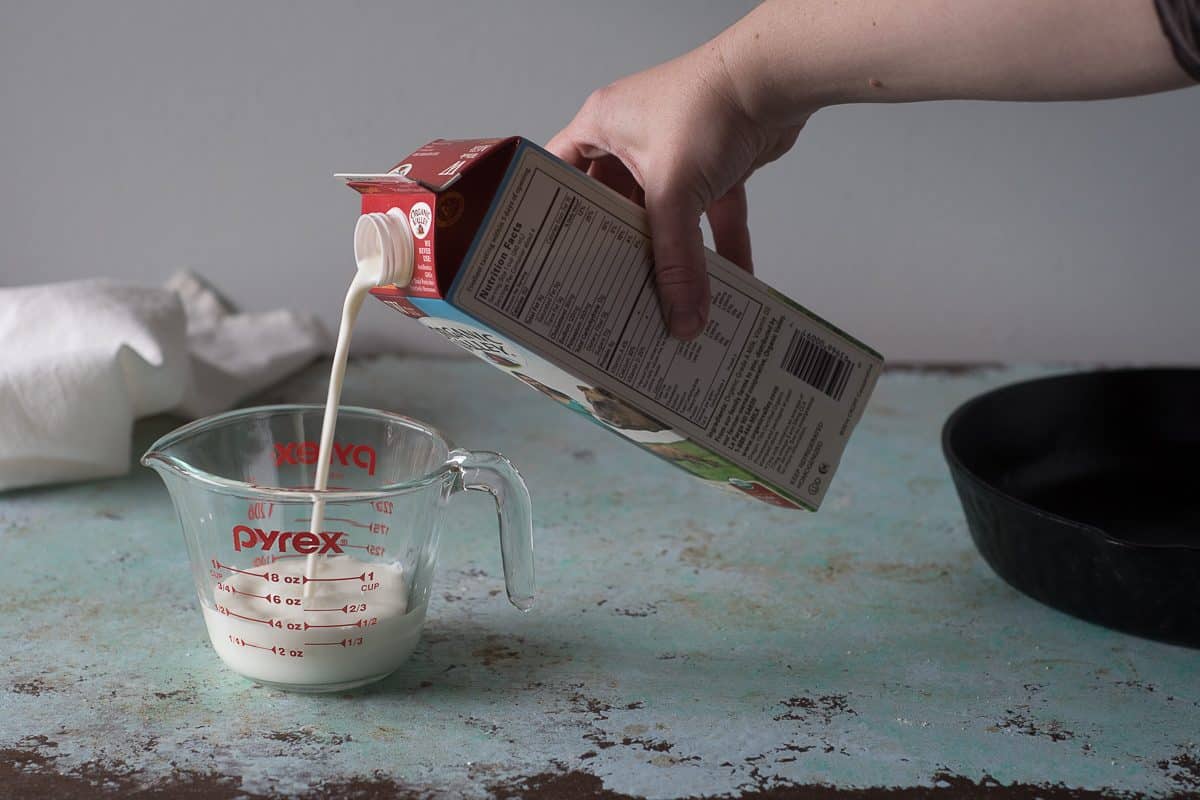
x: 824, y: 369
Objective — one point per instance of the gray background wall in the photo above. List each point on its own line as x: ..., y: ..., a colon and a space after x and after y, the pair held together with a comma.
x: 136, y: 138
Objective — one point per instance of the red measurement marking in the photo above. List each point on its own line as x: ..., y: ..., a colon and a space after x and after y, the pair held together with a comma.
x: 348, y: 608
x: 361, y: 577
x: 362, y: 623
x: 347, y: 521
x: 250, y: 594
x: 373, y: 549
x: 260, y: 510
x: 229, y: 613
x: 259, y: 646
x: 242, y: 571
x: 342, y: 643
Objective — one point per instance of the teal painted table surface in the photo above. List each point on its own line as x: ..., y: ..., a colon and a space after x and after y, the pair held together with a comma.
x: 685, y: 643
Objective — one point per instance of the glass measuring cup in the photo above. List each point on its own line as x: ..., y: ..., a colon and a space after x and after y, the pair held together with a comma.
x: 327, y: 610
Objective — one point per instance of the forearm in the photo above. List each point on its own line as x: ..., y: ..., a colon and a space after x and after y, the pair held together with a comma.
x: 789, y: 57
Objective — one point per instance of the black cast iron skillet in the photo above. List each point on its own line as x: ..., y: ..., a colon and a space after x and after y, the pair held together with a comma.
x: 1083, y: 491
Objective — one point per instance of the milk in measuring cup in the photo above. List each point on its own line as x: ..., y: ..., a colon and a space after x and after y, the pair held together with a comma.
x: 353, y: 621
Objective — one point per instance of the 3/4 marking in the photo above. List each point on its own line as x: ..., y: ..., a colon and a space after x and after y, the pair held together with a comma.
x: 372, y: 549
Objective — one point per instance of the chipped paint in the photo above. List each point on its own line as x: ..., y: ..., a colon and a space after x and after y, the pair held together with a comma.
x: 685, y: 644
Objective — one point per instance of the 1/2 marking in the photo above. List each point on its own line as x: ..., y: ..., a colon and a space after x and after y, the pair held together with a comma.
x: 229, y: 613
x: 365, y: 622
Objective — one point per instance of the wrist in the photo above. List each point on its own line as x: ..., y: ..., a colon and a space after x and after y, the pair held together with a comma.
x: 773, y: 82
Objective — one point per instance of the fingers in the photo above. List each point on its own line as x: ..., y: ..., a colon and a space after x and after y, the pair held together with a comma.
x: 612, y: 173
x: 730, y: 228
x: 565, y: 147
x: 597, y: 162
x: 679, y: 268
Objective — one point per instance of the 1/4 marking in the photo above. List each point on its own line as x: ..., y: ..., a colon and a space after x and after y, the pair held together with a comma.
x: 276, y: 649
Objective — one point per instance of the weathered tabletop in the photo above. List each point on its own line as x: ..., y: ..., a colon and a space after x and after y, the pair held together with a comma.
x: 685, y: 643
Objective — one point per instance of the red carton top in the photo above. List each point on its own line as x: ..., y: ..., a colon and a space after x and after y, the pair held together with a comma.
x: 444, y: 220
x: 434, y: 167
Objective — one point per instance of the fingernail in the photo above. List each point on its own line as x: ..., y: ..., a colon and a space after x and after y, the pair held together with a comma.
x: 686, y: 322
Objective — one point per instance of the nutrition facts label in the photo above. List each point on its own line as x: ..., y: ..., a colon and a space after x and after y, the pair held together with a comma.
x: 581, y: 279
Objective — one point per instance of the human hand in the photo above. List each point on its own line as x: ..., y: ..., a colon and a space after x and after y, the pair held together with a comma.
x: 677, y: 138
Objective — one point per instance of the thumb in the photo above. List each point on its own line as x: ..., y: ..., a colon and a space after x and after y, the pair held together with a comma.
x: 679, y: 267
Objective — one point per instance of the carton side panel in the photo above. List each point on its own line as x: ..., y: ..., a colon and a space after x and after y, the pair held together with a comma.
x: 597, y: 404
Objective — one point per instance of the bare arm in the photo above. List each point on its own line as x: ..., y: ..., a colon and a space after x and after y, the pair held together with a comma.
x: 797, y: 54
x: 685, y: 135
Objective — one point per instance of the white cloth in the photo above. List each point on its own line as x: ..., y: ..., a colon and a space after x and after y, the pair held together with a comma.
x: 80, y: 361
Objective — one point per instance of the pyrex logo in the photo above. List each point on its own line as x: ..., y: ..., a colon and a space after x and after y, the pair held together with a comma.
x: 360, y: 455
x: 303, y: 542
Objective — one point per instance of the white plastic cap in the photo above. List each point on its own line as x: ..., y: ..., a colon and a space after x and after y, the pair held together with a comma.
x: 383, y: 248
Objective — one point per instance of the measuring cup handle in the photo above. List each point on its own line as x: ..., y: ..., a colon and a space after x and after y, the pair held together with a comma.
x: 484, y: 471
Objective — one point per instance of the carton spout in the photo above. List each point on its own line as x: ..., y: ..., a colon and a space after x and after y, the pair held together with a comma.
x: 383, y: 249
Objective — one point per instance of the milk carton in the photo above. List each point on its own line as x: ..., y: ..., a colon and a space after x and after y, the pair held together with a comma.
x: 547, y: 275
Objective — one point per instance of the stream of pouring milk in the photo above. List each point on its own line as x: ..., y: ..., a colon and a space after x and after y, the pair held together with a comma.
x: 359, y: 288
x: 317, y: 608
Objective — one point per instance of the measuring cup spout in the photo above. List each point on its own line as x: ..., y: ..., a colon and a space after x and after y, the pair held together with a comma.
x: 489, y: 472
x: 164, y: 464
x: 169, y: 455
